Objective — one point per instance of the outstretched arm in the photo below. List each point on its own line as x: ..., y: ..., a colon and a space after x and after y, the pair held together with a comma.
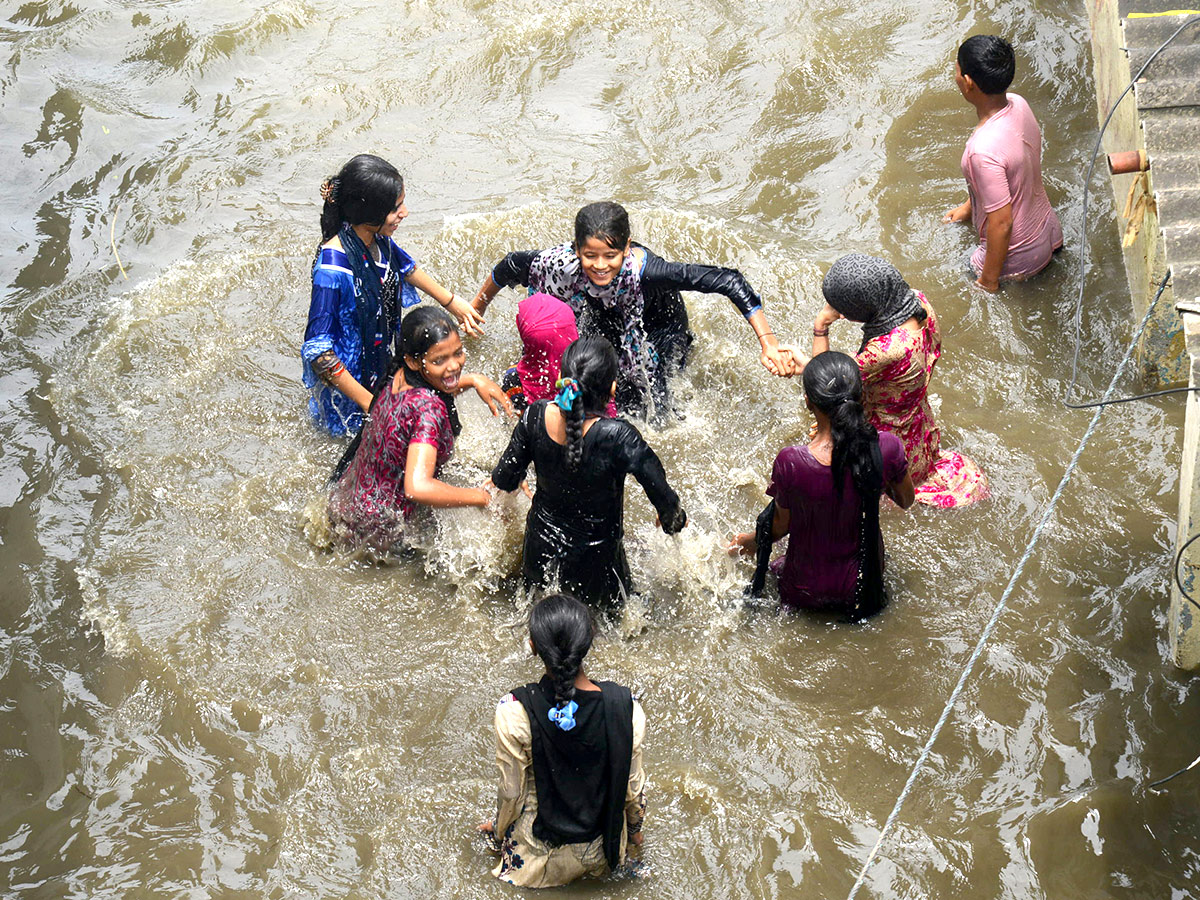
x: 489, y: 392
x: 513, y: 269
x: 720, y: 280
x: 470, y: 320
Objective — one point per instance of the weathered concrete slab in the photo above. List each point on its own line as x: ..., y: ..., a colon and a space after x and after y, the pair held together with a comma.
x: 1159, y: 215
x: 1166, y: 93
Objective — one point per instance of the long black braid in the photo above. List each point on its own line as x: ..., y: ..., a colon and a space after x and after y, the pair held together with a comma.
x: 592, y: 363
x: 833, y: 384
x: 561, y: 630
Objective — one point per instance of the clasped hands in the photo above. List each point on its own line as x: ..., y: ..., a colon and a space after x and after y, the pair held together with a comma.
x: 787, y: 360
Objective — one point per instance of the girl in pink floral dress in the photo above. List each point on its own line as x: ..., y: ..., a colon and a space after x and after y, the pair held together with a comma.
x: 901, y: 345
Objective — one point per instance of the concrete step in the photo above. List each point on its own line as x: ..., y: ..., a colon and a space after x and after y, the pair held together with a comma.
x: 1172, y: 130
x: 1182, y: 242
x: 1175, y: 171
x: 1152, y: 32
x: 1178, y: 206
x: 1164, y: 93
x: 1181, y: 59
x: 1185, y: 285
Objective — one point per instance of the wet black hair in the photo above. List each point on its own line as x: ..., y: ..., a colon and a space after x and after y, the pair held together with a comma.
x: 605, y: 220
x: 363, y: 193
x: 424, y: 327
x: 592, y: 362
x: 561, y: 630
x: 833, y: 384
x: 989, y: 61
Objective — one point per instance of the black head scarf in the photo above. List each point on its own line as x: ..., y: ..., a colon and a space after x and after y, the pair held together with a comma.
x: 871, y: 290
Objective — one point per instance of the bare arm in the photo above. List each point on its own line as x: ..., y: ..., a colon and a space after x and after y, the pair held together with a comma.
x: 421, y: 485
x: 770, y: 355
x: 470, y: 320
x: 489, y: 392
x: 960, y: 213
x: 999, y: 234
x: 902, y: 491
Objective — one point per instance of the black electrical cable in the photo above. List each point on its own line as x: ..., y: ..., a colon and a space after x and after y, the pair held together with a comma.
x: 1178, y: 580
x: 1078, y: 317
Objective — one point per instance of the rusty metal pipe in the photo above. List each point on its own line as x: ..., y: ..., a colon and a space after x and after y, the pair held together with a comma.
x: 1128, y: 161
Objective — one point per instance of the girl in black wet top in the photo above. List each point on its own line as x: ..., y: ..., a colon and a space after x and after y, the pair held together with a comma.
x: 626, y: 293
x: 581, y: 458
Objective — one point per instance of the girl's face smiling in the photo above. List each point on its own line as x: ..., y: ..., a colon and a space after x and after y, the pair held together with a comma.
x: 600, y: 262
x: 442, y: 363
x: 398, y: 214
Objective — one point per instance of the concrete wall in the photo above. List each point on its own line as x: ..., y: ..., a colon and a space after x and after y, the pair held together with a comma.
x: 1161, y: 355
x: 1169, y: 353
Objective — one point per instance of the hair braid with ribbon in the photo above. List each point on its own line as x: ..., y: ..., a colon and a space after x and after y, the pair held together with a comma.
x: 589, y: 369
x: 561, y: 630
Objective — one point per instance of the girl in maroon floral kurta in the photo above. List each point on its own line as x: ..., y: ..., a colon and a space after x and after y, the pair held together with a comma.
x: 408, y: 437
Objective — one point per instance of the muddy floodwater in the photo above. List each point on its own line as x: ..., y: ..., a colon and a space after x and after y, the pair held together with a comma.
x: 199, y: 699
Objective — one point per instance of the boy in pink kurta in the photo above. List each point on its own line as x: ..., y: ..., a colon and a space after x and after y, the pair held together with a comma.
x: 1002, y: 163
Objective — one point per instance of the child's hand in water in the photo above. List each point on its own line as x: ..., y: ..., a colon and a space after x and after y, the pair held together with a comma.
x: 959, y: 213
x: 741, y: 544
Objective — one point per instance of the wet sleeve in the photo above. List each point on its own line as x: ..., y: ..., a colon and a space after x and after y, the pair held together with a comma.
x: 514, y: 268
x: 431, y: 419
x: 324, y: 328
x: 405, y: 264
x: 895, y: 463
x: 991, y: 181
x: 514, y: 757
x: 517, y: 455
x: 643, y: 463
x: 658, y: 273
x: 782, y: 477
x: 635, y: 793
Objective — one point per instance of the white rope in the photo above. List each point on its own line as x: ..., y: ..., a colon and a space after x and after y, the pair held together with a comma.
x: 1000, y: 606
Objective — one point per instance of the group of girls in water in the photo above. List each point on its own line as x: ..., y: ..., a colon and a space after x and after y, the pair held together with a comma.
x: 603, y: 330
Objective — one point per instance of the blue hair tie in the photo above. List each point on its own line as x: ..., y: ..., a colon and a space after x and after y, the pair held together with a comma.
x: 568, y: 393
x: 565, y: 718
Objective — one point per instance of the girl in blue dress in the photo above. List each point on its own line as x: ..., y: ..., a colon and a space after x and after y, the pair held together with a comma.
x: 360, y: 281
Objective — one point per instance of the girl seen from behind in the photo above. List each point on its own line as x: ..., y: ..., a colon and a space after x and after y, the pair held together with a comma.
x: 571, y: 796
x: 575, y: 528
x: 826, y: 498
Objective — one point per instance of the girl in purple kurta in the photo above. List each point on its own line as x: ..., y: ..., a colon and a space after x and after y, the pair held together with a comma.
x: 826, y: 494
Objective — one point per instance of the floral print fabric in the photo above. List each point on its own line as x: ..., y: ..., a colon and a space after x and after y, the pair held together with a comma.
x: 368, y: 506
x: 615, y: 310
x: 896, y: 368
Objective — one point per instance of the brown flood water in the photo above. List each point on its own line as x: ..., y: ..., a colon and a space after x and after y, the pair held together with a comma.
x: 198, y: 700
